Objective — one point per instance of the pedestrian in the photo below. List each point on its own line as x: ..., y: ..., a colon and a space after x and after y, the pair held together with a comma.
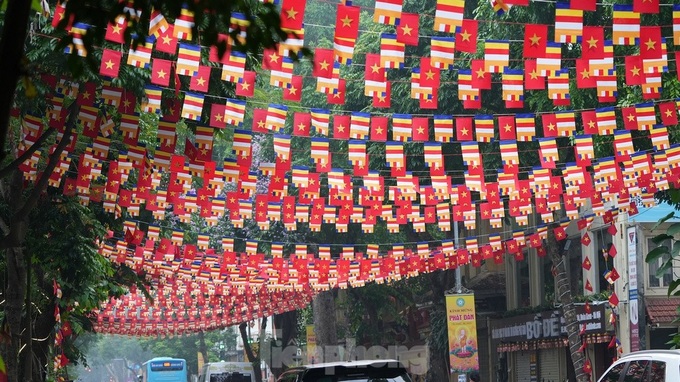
x: 474, y: 376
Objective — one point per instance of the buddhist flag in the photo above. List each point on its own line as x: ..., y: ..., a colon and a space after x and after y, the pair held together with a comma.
x: 448, y: 15
x: 432, y: 152
x: 193, y: 106
x: 408, y: 29
x: 470, y: 154
x: 443, y: 128
x: 391, y: 52
x: 276, y: 117
x: 78, y: 30
x: 566, y: 123
x: 401, y: 127
x: 188, y: 59
x: 646, y: 115
x: 157, y: 24
x: 360, y: 125
x: 394, y: 155
x: 676, y: 24
x: 623, y: 145
x: 153, y: 99
x: 234, y: 112
x: 548, y: 152
x: 535, y: 39
x: 140, y: 57
x: 242, y: 142
x: 513, y: 88
x: 357, y: 153
x: 344, y: 50
x: 606, y: 120
x: 558, y: 88
x: 233, y: 67
x: 184, y: 24
x: 625, y: 25
x: 551, y: 62
x: 442, y: 51
x: 568, y: 23
x: 525, y: 125
x: 583, y: 150
x: 659, y: 137
x: 387, y: 12
x: 496, y: 55
x: 466, y: 91
x: 320, y: 121
x: 484, y: 128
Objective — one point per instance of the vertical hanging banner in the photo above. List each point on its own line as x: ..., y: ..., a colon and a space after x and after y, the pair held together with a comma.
x: 311, y: 345
x: 462, y: 330
x: 633, y: 289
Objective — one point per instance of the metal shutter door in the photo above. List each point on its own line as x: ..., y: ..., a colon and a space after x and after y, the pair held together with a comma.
x: 522, y: 369
x: 549, y: 365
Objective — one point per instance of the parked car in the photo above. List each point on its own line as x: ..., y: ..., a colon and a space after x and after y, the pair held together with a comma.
x: 383, y: 370
x: 645, y: 365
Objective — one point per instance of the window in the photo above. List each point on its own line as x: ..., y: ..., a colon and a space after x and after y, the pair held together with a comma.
x: 637, y: 371
x: 614, y: 374
x: 658, y: 372
x: 602, y: 241
x: 653, y: 281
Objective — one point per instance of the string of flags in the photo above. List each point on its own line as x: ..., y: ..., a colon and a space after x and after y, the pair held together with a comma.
x: 201, y: 286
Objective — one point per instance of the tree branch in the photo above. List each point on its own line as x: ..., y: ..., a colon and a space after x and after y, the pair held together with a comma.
x: 40, y: 186
x: 27, y: 154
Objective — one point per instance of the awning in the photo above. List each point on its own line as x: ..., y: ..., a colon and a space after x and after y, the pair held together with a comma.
x: 662, y: 310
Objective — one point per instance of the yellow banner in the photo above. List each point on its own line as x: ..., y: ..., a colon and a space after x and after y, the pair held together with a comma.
x: 462, y: 329
x: 311, y: 345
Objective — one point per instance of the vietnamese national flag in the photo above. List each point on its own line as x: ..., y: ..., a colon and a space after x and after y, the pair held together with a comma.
x: 407, y: 29
x: 246, y: 86
x: 301, y: 124
x: 341, y: 126
x: 466, y: 37
x: 669, y: 113
x: 532, y: 77
x: 535, y: 40
x: 420, y: 128
x: 347, y: 22
x: 646, y: 6
x: 293, y: 92
x: 379, y: 129
x: 110, y: 64
x: 323, y: 63
x: 161, y: 70
x: 549, y: 125
x: 481, y: 79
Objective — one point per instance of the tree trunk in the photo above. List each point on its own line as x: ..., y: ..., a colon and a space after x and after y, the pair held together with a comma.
x: 564, y: 296
x: 44, y: 331
x: 26, y: 357
x: 202, y: 349
x: 325, y: 329
x: 252, y: 357
x: 437, y: 365
x: 11, y: 51
x: 16, y: 283
x: 286, y: 331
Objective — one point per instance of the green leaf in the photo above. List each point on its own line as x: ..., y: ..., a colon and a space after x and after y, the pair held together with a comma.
x: 658, y: 239
x: 663, y: 220
x: 673, y: 286
x: 673, y: 229
x: 656, y: 253
x: 663, y: 268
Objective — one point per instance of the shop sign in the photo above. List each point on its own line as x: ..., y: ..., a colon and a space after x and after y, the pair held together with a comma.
x: 547, y: 325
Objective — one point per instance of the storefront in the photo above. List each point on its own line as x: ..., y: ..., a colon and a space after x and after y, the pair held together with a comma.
x: 534, y: 346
